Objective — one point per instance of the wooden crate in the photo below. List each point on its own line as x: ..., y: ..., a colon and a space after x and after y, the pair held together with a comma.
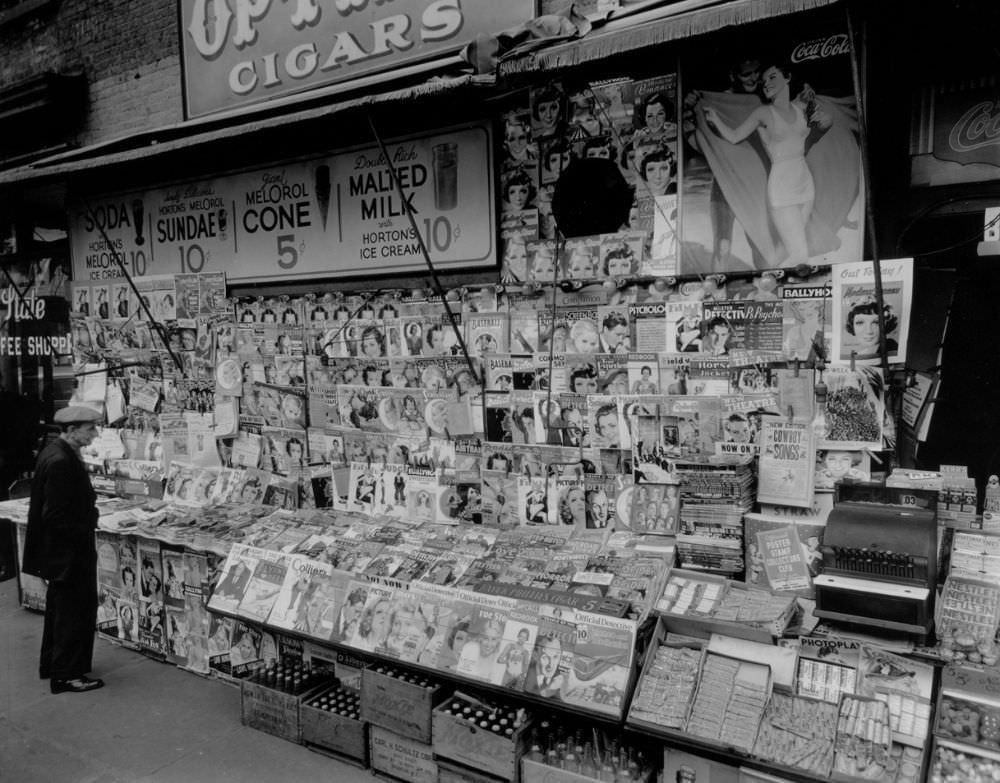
x: 401, y: 758
x: 397, y: 705
x: 272, y: 711
x: 332, y: 732
x: 450, y: 772
x: 457, y: 739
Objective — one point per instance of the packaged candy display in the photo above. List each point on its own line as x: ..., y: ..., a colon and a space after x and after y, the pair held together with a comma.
x: 664, y: 695
x: 863, y: 740
x: 730, y: 701
x: 968, y: 614
x: 951, y: 763
x: 798, y: 733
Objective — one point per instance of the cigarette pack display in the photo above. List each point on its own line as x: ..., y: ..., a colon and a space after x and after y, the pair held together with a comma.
x: 665, y: 692
x: 729, y: 704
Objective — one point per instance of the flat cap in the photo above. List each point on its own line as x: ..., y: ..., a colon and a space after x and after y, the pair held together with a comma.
x: 76, y: 414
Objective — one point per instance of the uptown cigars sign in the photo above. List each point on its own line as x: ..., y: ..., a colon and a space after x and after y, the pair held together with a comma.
x: 239, y: 52
x: 967, y: 126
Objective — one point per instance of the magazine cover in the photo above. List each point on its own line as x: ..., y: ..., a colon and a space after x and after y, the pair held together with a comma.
x: 598, y: 677
x: 644, y: 373
x: 375, y: 620
x: 499, y: 503
x: 655, y: 508
x: 578, y: 259
x: 764, y: 558
x: 833, y: 465
x: 499, y: 373
x: 649, y: 327
x: 745, y: 206
x: 606, y: 422
x: 535, y: 507
x: 263, y: 587
x: 486, y: 333
x: 787, y: 463
x: 479, y: 656
x: 621, y: 254
x: 807, y: 322
x: 552, y: 656
x: 305, y: 603
x: 855, y: 409
x: 856, y: 327
x: 173, y: 576
x: 683, y: 326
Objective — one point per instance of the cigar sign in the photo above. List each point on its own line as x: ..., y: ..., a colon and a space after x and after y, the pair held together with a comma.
x: 238, y: 52
x: 325, y: 217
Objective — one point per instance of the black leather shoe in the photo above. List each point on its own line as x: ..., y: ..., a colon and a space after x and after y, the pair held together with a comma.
x: 76, y: 685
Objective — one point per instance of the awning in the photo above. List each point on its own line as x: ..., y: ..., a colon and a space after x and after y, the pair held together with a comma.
x: 184, y: 135
x: 633, y: 28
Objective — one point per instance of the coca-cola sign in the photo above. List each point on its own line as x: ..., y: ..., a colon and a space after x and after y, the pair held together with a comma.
x: 819, y: 48
x: 978, y: 127
x: 967, y: 125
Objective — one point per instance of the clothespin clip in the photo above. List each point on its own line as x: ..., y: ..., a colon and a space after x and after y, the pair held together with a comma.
x: 791, y: 414
x: 795, y: 368
x: 854, y: 356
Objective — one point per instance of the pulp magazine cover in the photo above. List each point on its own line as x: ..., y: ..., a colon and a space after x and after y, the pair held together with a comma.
x: 535, y: 506
x: 552, y: 657
x: 375, y: 620
x: 499, y: 504
x: 856, y: 327
x: 655, y: 508
x: 174, y: 577
x: 787, y: 463
x: 598, y: 677
x: 579, y: 259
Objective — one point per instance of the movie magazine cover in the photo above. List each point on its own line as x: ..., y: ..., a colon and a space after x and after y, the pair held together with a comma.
x: 856, y: 326
x: 499, y: 506
x: 375, y: 621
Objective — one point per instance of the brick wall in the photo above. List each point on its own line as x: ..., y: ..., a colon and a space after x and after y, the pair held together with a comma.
x: 129, y: 52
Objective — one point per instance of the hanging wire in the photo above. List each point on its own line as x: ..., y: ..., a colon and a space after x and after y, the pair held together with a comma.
x: 438, y: 287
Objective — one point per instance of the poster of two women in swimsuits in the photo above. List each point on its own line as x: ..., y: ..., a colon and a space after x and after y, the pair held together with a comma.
x: 771, y: 158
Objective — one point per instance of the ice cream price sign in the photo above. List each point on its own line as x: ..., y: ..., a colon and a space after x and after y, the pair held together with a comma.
x: 336, y: 216
x: 446, y: 180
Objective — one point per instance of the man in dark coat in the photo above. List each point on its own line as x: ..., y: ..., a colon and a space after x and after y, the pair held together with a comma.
x: 59, y: 547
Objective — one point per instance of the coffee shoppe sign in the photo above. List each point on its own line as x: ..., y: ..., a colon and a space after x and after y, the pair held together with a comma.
x: 326, y: 217
x: 239, y: 52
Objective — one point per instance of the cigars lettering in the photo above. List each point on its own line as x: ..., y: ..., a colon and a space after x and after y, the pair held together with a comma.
x: 330, y: 216
x: 246, y: 51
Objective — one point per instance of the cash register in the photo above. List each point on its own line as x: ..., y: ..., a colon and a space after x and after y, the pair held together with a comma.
x: 880, y: 559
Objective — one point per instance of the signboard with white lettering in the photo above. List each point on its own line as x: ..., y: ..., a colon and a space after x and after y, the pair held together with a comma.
x: 247, y: 51
x: 327, y: 217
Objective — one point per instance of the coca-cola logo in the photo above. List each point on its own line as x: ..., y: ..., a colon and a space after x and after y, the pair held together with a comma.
x: 979, y: 127
x: 819, y: 48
